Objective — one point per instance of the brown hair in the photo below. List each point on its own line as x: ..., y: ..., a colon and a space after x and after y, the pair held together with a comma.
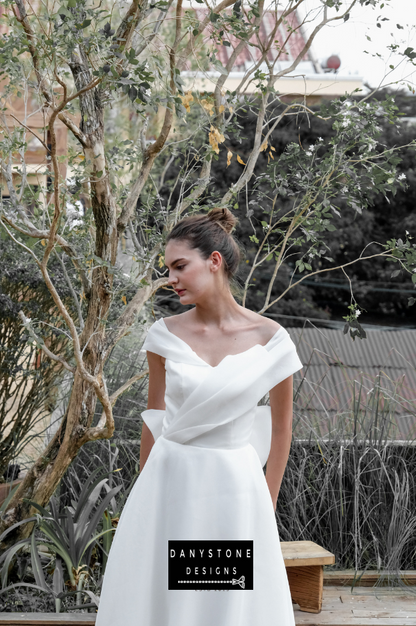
x: 208, y: 233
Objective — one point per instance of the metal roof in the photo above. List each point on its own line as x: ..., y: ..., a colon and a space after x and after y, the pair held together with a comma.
x: 366, y: 386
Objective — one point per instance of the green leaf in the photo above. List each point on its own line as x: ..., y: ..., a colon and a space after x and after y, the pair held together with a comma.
x: 214, y: 17
x: 37, y: 565
x: 219, y: 66
x: 64, y: 11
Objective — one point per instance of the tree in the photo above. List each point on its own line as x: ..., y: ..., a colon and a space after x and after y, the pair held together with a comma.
x: 72, y: 63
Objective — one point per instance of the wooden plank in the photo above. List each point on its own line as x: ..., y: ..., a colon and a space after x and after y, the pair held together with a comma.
x: 383, y: 614
x: 299, y: 553
x: 335, y: 619
x: 43, y: 619
x: 366, y: 579
x: 306, y: 587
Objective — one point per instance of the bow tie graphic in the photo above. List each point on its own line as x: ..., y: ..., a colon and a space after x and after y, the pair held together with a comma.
x: 239, y: 581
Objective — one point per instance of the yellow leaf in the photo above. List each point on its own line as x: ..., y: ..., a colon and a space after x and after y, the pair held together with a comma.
x: 229, y: 157
x: 271, y: 155
x: 134, y: 258
x: 221, y: 108
x: 208, y: 106
x: 215, y: 137
x: 124, y: 299
x: 230, y: 109
x: 240, y: 160
x: 263, y: 146
x: 186, y: 100
x: 271, y: 148
x: 161, y: 262
x: 43, y: 242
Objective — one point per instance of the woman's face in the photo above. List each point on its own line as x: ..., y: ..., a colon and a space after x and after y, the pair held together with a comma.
x: 191, y: 276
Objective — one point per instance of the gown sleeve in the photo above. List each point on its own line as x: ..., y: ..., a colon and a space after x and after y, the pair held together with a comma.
x: 153, y: 342
x: 285, y: 362
x: 284, y: 359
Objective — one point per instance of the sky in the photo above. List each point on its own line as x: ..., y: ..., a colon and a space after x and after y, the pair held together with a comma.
x: 349, y: 41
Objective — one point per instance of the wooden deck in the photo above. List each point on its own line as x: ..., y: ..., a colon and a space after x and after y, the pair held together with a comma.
x: 363, y: 607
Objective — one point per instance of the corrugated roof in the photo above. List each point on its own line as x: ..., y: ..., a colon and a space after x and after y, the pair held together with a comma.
x: 362, y: 384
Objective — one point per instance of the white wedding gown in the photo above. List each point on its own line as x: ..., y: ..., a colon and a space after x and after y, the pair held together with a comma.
x: 203, y: 480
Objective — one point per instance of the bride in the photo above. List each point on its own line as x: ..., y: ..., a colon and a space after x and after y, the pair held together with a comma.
x: 197, y: 542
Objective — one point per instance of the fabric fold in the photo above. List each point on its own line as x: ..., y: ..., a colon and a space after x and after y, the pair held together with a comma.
x: 261, y: 434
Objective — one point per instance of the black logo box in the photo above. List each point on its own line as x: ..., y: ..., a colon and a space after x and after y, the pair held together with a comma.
x: 208, y: 564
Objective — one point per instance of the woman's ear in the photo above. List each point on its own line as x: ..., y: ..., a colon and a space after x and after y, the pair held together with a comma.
x: 216, y: 261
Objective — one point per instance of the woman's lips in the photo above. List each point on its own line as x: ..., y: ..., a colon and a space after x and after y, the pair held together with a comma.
x: 180, y: 292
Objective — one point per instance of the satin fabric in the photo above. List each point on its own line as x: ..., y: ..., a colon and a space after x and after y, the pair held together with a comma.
x: 203, y: 479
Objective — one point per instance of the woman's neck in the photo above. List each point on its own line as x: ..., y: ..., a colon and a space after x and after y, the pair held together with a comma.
x: 217, y: 310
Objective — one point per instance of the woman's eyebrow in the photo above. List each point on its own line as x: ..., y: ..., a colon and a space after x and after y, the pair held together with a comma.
x: 175, y: 262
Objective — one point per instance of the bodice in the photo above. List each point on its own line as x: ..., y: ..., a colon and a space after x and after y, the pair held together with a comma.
x: 217, y: 407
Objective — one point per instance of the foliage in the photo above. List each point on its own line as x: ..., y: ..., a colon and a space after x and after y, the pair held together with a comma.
x: 29, y: 381
x: 316, y: 180
x: 67, y: 539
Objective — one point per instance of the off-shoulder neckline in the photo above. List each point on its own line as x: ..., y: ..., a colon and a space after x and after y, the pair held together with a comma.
x: 227, y: 355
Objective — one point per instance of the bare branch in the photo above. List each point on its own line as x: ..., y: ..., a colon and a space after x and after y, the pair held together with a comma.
x: 72, y: 290
x: 126, y: 386
x: 126, y: 319
x: 387, y: 254
x: 30, y: 131
x: 199, y: 188
x: 41, y: 343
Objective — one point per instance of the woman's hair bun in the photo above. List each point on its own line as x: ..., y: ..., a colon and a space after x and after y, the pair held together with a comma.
x: 223, y: 217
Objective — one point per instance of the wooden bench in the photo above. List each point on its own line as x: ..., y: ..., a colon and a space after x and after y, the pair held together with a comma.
x: 304, y: 561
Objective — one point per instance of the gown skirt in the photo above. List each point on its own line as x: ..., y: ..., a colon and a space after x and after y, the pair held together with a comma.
x: 203, y: 480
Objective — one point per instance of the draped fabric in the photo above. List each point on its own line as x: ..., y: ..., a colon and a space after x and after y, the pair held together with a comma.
x: 203, y: 479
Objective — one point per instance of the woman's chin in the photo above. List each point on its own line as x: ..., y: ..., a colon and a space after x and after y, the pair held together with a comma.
x: 186, y: 299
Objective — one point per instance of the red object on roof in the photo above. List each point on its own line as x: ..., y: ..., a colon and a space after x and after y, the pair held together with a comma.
x: 334, y: 62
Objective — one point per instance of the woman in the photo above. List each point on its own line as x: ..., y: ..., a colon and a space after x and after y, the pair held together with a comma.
x: 197, y: 543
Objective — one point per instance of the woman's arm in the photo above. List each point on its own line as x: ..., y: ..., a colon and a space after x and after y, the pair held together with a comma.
x: 281, y: 404
x: 155, y: 400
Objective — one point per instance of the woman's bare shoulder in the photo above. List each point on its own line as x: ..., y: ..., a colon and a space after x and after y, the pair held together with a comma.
x: 178, y: 321
x: 266, y: 327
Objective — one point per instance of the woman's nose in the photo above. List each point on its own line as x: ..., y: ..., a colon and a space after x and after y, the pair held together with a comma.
x: 172, y: 279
